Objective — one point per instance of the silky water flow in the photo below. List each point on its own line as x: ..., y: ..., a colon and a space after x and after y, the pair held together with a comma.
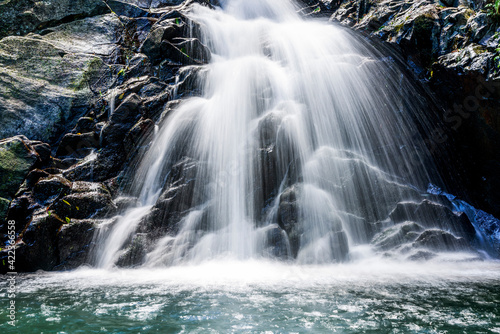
x: 302, y: 142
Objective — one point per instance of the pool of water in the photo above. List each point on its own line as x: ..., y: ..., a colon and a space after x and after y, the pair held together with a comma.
x: 262, y: 297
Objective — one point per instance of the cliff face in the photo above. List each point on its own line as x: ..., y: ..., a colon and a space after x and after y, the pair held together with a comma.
x: 82, y: 84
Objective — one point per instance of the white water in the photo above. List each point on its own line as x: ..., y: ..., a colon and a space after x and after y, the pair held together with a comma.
x: 288, y: 106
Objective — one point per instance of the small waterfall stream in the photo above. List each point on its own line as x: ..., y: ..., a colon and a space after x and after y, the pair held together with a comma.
x: 303, y: 141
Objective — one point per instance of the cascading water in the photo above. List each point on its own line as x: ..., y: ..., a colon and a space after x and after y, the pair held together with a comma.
x: 302, y: 143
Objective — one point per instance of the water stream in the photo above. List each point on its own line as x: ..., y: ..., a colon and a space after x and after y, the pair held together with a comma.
x: 304, y: 139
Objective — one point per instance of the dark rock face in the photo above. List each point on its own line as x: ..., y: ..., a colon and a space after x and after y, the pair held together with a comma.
x: 17, y: 157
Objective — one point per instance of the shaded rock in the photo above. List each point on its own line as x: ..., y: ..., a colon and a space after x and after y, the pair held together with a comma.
x: 49, y: 188
x: 288, y: 217
x: 398, y: 235
x: 439, y: 240
x: 138, y: 134
x: 4, y: 206
x: 17, y: 158
x: 189, y: 81
x: 44, y: 152
x: 85, y: 124
x: 24, y: 16
x: 175, y: 202
x: 121, y: 121
x: 276, y: 242
x: 433, y: 215
x: 38, y: 249
x: 78, y: 145
x: 421, y: 256
x: 74, y: 243
x: 135, y: 253
x: 87, y: 200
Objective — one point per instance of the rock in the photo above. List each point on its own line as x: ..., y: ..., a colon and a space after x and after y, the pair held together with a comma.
x: 433, y: 215
x: 17, y: 158
x: 288, y: 217
x: 85, y: 124
x: 174, y: 203
x: 74, y: 243
x: 121, y: 121
x: 133, y: 255
x: 397, y: 235
x: 138, y: 134
x: 439, y: 240
x: 48, y: 189
x: 48, y: 80
x: 175, y: 38
x: 276, y: 243
x: 421, y: 255
x: 38, y: 249
x: 78, y: 145
x: 189, y: 81
x: 20, y: 210
x: 24, y: 16
x: 86, y: 200
x: 44, y: 152
x: 4, y: 206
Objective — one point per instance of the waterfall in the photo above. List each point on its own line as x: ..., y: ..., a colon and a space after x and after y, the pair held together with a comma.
x: 303, y: 141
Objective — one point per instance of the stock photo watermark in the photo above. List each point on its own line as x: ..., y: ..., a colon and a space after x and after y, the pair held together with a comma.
x: 11, y: 273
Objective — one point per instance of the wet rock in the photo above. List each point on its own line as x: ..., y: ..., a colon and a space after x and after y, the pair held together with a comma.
x: 421, y: 256
x: 175, y: 202
x: 44, y: 152
x: 74, y: 243
x: 135, y: 253
x: 288, y: 217
x: 398, y: 235
x: 47, y: 189
x: 439, y: 240
x: 121, y: 121
x: 24, y: 16
x: 85, y: 124
x: 47, y: 81
x: 4, y: 206
x: 20, y: 210
x: 276, y: 243
x: 434, y: 215
x: 138, y: 134
x: 78, y: 145
x: 189, y: 81
x: 175, y: 38
x: 17, y: 158
x: 86, y: 200
x: 38, y: 249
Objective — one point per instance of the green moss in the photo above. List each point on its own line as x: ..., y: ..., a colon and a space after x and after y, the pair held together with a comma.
x: 4, y: 206
x: 91, y: 71
x: 15, y: 162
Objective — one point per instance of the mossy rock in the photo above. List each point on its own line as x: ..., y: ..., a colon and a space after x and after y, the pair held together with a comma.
x: 17, y: 158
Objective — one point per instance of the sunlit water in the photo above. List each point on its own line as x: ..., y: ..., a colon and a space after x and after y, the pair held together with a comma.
x: 263, y: 297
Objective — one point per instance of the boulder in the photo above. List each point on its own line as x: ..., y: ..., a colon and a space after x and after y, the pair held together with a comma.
x: 17, y: 158
x: 438, y: 240
x: 24, y: 16
x: 49, y: 188
x: 74, y: 242
x: 433, y: 215
x: 397, y: 235
x: 289, y: 217
x: 47, y: 81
